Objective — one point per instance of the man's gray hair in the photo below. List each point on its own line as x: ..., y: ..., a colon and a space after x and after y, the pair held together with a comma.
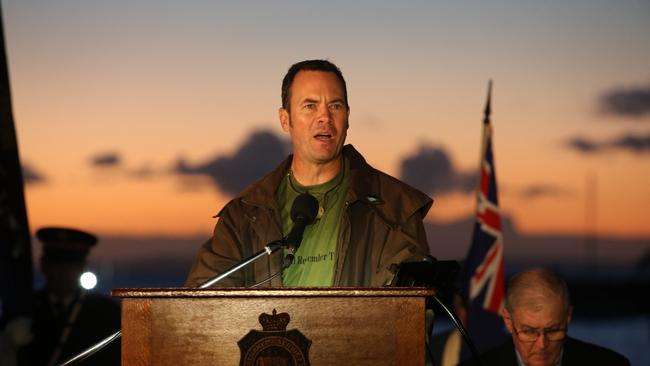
x: 535, y: 286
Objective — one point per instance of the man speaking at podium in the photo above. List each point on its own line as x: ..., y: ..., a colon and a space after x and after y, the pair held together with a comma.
x: 367, y: 220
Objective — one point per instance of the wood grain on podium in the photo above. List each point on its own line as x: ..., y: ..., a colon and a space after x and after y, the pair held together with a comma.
x: 351, y: 326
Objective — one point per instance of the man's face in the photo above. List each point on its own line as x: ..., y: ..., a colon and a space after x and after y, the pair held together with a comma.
x: 318, y: 117
x: 548, y: 321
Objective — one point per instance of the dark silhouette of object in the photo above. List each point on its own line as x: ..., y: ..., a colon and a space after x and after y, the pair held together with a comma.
x: 68, y: 319
x: 15, y: 246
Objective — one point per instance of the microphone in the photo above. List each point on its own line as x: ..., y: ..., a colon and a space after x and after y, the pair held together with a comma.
x: 303, y: 213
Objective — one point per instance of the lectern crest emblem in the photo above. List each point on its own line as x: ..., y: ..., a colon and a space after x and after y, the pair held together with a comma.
x: 274, y: 345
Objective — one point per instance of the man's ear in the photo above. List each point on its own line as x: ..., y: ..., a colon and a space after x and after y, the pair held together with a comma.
x: 507, y: 320
x: 347, y: 119
x: 285, y: 119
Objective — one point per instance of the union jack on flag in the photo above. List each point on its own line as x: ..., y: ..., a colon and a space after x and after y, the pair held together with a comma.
x: 483, y: 279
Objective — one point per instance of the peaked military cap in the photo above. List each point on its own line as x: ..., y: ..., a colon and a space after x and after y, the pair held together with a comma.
x: 65, y: 243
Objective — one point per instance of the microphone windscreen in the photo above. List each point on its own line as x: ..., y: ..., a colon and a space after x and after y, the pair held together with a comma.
x: 305, y: 207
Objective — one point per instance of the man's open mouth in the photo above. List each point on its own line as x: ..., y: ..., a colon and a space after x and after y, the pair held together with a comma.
x: 323, y: 136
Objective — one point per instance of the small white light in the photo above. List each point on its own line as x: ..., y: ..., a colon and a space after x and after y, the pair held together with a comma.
x: 88, y: 280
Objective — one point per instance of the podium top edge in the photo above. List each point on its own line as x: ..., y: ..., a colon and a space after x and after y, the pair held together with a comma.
x: 182, y: 292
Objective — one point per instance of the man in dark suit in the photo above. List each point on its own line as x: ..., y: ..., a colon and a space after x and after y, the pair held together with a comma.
x: 537, y: 314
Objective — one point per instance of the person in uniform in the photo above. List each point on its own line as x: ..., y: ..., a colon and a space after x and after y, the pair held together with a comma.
x: 67, y: 319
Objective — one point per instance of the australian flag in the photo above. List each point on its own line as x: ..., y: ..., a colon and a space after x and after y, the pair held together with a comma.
x: 483, y: 276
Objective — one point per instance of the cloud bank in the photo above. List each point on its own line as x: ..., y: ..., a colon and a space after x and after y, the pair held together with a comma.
x: 106, y: 160
x: 626, y: 102
x: 541, y: 190
x: 31, y: 176
x: 258, y: 155
x: 630, y: 142
x: 430, y: 170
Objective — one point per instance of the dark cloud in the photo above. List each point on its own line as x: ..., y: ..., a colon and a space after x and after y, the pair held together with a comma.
x: 632, y: 142
x: 430, y: 170
x: 106, y: 160
x: 143, y: 172
x: 113, y: 164
x: 631, y: 102
x: 583, y: 145
x: 636, y: 143
x: 543, y: 190
x: 258, y: 155
x: 31, y: 176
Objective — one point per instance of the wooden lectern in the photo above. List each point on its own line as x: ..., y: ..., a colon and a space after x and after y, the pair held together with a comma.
x: 220, y: 327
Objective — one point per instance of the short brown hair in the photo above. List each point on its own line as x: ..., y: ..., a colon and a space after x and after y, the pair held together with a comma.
x: 309, y: 65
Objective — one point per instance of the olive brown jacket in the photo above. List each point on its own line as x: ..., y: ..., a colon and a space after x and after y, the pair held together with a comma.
x: 381, y: 227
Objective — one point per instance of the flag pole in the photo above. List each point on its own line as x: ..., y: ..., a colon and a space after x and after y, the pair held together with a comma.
x: 483, y: 272
x: 488, y: 104
x: 485, y: 137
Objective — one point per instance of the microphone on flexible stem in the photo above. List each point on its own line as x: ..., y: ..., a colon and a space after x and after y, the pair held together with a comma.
x: 303, y: 213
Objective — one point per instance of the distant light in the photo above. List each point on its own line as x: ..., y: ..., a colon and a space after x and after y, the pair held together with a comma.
x: 88, y: 280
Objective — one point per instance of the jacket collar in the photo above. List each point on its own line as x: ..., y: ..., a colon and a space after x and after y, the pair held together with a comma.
x: 262, y: 192
x: 393, y: 205
x: 392, y: 199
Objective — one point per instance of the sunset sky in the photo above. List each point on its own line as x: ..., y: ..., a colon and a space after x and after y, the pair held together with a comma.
x: 130, y: 114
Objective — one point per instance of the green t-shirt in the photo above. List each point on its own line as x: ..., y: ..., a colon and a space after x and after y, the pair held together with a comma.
x: 315, y: 259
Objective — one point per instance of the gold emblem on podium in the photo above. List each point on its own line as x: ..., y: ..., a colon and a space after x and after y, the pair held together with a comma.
x: 274, y: 345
